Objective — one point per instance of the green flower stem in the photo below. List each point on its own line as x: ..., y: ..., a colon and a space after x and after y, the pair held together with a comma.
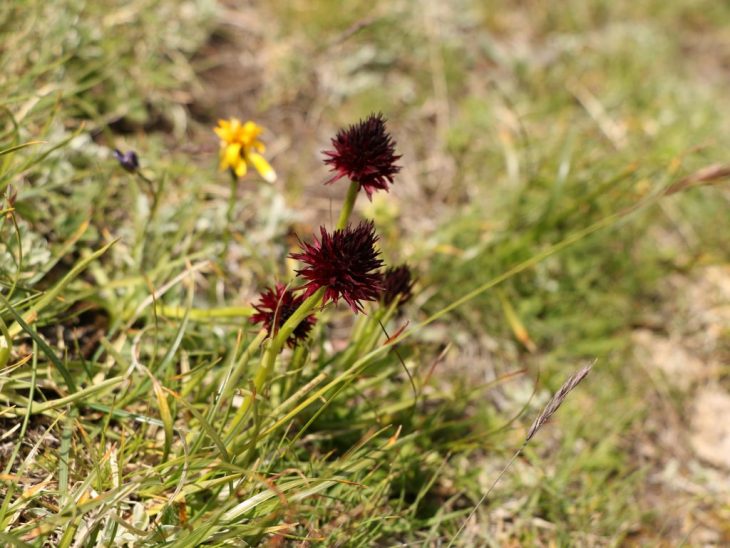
x: 367, y: 332
x: 229, y: 212
x: 153, y: 192
x: 277, y: 343
x: 352, y: 193
x: 296, y: 365
x: 241, y: 364
x: 374, y: 331
x: 273, y: 348
x: 362, y: 333
x: 390, y: 311
x: 360, y: 325
x: 299, y: 315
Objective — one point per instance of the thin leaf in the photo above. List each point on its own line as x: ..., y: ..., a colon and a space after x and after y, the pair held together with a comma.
x: 76, y: 397
x: 165, y: 415
x: 47, y: 350
x: 56, y: 290
x: 19, y: 147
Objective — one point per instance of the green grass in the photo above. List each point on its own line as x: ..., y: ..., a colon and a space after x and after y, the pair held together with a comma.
x: 529, y: 137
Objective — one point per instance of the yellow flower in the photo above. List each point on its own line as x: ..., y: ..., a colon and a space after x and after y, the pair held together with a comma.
x: 240, y: 146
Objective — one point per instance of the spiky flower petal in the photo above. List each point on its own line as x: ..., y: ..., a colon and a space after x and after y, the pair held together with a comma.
x: 276, y: 306
x: 345, y: 262
x: 365, y: 153
x: 397, y: 285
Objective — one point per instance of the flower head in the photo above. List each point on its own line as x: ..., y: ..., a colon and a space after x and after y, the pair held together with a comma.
x: 128, y: 160
x: 365, y: 153
x: 240, y: 146
x: 345, y: 262
x: 397, y: 285
x: 274, y: 308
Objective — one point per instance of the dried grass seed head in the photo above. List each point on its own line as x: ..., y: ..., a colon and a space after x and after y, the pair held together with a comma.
x: 557, y: 400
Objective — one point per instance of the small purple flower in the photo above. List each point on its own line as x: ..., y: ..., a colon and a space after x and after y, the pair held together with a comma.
x: 129, y: 160
x: 365, y: 153
x: 345, y: 262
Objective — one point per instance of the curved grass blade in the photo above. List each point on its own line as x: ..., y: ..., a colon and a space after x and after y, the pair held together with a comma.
x: 19, y: 147
x: 56, y: 290
x: 47, y: 350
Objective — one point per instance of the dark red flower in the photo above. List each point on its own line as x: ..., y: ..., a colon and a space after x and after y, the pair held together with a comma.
x: 345, y: 262
x: 276, y: 306
x: 397, y: 284
x: 365, y: 153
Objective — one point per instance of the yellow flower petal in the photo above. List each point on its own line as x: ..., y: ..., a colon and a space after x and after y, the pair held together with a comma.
x: 239, y: 145
x: 241, y: 168
x: 251, y: 131
x: 262, y: 166
x: 224, y: 130
x: 232, y: 155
